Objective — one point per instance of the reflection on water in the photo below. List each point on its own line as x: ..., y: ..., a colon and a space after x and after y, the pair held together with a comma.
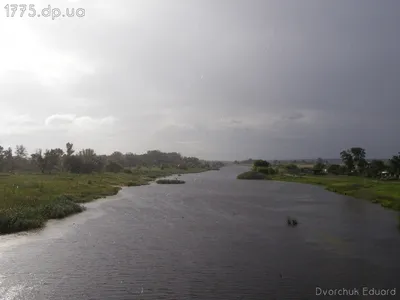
x: 212, y: 238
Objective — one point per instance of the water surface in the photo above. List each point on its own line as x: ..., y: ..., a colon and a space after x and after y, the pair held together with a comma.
x: 214, y: 237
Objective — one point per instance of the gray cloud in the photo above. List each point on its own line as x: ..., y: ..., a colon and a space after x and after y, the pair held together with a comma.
x: 217, y: 79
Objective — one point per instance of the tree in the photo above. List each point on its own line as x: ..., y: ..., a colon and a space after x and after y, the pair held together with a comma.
x: 375, y: 168
x: 20, y: 151
x: 118, y: 157
x: 50, y: 160
x: 348, y: 160
x: 261, y: 163
x: 1, y: 158
x: 319, y: 166
x: 334, y: 169
x: 394, y: 164
x: 114, y: 167
x: 8, y: 159
x: 358, y: 154
x: 70, y: 149
x: 73, y: 163
x: 38, y: 160
x: 53, y: 159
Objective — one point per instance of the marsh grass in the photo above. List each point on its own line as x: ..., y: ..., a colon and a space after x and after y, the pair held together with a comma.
x: 27, y: 201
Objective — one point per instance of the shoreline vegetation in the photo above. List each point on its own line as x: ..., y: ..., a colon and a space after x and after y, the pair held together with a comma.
x: 170, y: 181
x: 54, y: 184
x: 376, y: 180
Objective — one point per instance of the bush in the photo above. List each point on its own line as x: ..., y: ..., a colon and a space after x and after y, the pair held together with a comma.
x: 128, y: 171
x: 251, y: 175
x: 266, y: 170
x: 334, y: 169
x: 170, y: 181
x: 114, y: 167
x: 261, y: 163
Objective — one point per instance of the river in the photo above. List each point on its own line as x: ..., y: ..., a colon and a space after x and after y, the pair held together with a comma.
x: 214, y: 237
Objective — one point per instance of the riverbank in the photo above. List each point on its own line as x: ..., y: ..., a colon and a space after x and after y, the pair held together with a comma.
x: 27, y: 201
x: 386, y: 193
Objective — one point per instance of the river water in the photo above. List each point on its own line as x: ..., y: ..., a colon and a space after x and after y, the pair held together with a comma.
x: 214, y: 237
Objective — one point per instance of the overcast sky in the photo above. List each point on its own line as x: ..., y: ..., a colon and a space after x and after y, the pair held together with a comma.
x: 217, y: 79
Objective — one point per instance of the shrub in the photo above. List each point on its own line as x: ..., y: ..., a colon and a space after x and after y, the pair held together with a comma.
x: 128, y: 171
x: 261, y: 163
x: 266, y: 170
x: 251, y: 175
x: 114, y: 167
x: 170, y: 181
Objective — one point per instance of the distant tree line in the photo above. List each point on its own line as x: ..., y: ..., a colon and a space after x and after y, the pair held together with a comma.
x: 87, y: 161
x: 354, y: 162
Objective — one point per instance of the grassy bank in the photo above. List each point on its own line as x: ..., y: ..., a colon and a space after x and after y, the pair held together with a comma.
x: 386, y: 193
x: 27, y: 201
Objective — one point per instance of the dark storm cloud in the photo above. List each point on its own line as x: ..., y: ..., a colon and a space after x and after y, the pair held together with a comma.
x: 233, y: 79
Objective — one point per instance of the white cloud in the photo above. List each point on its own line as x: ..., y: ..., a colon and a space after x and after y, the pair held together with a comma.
x: 26, y: 50
x: 59, y: 119
x: 73, y: 122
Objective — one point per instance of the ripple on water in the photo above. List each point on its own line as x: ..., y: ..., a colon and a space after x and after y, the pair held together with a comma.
x: 213, y: 238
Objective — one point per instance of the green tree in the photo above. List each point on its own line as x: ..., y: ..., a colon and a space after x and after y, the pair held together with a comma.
x: 48, y: 161
x: 334, y: 169
x: 319, y: 166
x: 375, y: 168
x: 394, y: 164
x: 259, y: 163
x: 348, y: 160
x: 2, y: 158
x: 70, y: 149
x: 114, y: 167
x: 20, y: 152
x: 38, y: 160
x: 358, y: 154
x: 53, y: 159
x: 9, y: 159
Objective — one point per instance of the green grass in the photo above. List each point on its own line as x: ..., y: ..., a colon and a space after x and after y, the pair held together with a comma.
x: 169, y: 181
x: 27, y: 201
x: 386, y: 193
x: 252, y: 175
